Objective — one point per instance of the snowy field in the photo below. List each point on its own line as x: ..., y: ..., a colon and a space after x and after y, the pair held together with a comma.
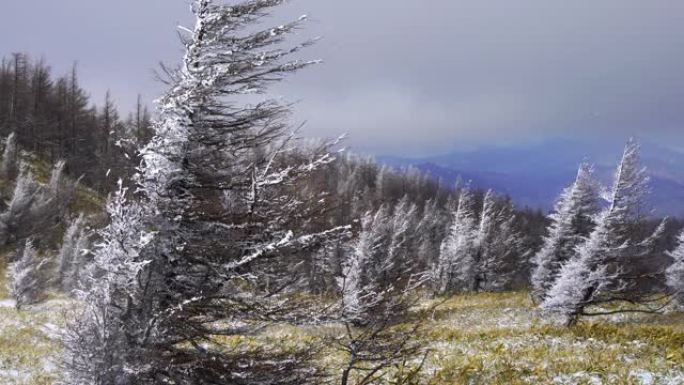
x: 474, y: 339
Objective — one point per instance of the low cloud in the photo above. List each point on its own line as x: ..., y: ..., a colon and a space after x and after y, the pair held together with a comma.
x: 412, y: 77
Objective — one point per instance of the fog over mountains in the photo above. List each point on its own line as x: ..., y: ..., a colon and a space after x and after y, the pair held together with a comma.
x: 533, y: 175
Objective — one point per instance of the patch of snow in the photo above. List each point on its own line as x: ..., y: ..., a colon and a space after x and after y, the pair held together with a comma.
x: 643, y: 376
x: 51, y: 330
x: 48, y: 365
x: 14, y: 375
x: 672, y: 379
x: 7, y: 303
x: 579, y: 377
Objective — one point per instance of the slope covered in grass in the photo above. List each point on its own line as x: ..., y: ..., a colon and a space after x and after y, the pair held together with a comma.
x: 29, y: 347
x: 473, y: 339
x: 502, y: 339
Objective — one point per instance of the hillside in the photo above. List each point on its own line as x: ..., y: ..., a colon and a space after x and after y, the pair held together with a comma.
x: 474, y: 339
x: 223, y: 241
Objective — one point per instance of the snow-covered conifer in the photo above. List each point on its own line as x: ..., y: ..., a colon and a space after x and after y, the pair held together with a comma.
x: 70, y: 257
x: 98, y: 350
x: 597, y: 271
x: 380, y: 259
x: 430, y: 230
x: 217, y: 192
x: 375, y: 296
x: 571, y: 224
x: 27, y: 276
x: 499, y: 243
x: 675, y: 273
x: 383, y: 184
x: 486, y: 236
x: 10, y: 159
x: 15, y: 221
x: 35, y: 209
x: 456, y: 267
x: 56, y: 195
x: 358, y: 279
x: 403, y: 240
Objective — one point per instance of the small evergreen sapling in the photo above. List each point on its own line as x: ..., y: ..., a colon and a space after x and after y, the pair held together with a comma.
x: 9, y: 168
x: 16, y: 222
x: 28, y: 276
x: 70, y: 258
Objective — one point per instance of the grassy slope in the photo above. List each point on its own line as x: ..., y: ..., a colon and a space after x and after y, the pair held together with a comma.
x: 475, y: 339
x: 28, y: 339
x: 28, y: 344
x: 501, y: 339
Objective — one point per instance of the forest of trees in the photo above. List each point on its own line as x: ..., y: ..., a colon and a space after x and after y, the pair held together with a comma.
x: 57, y: 120
x: 232, y: 223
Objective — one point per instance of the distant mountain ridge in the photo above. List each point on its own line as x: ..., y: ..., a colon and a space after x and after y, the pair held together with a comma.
x: 534, y: 175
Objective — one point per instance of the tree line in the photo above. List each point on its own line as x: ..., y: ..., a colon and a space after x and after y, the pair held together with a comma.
x: 55, y: 118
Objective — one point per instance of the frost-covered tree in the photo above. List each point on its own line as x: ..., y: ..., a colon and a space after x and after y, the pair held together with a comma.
x: 70, y: 259
x: 97, y: 349
x: 382, y: 257
x: 571, y: 223
x: 431, y: 230
x: 369, y: 267
x: 216, y: 189
x: 10, y: 159
x: 376, y: 295
x: 15, y: 221
x: 357, y: 268
x: 498, y: 245
x: 403, y: 241
x: 485, y: 257
x: 35, y: 209
x: 383, y: 183
x: 27, y: 276
x: 675, y: 273
x: 482, y: 249
x: 598, y: 272
x: 59, y: 187
x: 456, y: 268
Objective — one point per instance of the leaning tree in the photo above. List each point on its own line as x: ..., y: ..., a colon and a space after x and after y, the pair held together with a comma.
x: 27, y: 276
x: 571, y: 223
x: 456, y: 268
x: 599, y: 271
x: 378, y: 292
x: 211, y: 250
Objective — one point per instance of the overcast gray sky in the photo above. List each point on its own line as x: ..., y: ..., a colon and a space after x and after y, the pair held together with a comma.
x: 410, y: 77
